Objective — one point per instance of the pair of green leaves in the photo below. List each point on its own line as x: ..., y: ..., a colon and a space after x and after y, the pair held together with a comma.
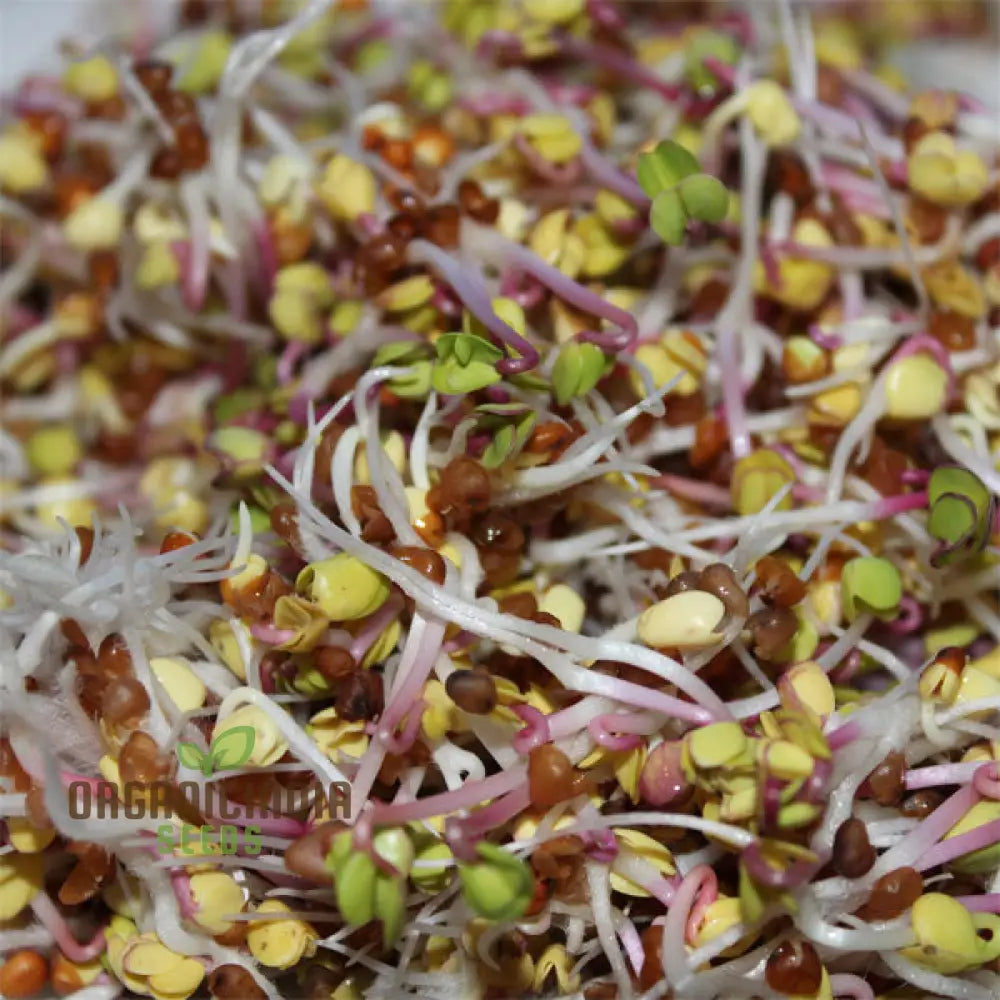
x: 578, y: 368
x: 510, y: 425
x: 229, y: 749
x: 870, y: 585
x: 466, y: 363
x: 672, y: 178
x: 366, y: 893
x: 960, y: 515
x: 406, y: 354
x: 500, y: 886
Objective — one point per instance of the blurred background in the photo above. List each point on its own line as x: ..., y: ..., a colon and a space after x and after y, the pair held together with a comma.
x: 949, y: 43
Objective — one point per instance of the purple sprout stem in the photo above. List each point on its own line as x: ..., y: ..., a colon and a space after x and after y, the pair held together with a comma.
x: 628, y: 727
x: 987, y: 902
x: 373, y: 626
x: 181, y: 883
x: 471, y: 794
x: 575, y: 294
x: 851, y: 987
x: 796, y: 874
x: 399, y: 743
x: 891, y: 506
x: 498, y: 812
x: 53, y: 921
x: 910, y: 617
x: 468, y: 285
x: 535, y: 731
x: 617, y: 62
x: 609, y: 176
x: 271, y: 634
x: 941, y: 853
x: 562, y: 174
x: 941, y: 774
x: 986, y: 781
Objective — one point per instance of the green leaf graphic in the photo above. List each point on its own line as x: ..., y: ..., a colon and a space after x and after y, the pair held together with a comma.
x: 233, y: 747
x: 190, y: 756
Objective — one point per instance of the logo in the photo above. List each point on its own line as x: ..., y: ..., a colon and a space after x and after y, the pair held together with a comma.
x: 229, y: 750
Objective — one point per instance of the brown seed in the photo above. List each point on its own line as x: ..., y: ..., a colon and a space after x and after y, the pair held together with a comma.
x: 954, y: 331
x: 772, y: 629
x: 473, y: 691
x: 886, y: 781
x: 952, y: 658
x: 113, y: 657
x: 426, y: 562
x: 443, y: 223
x: 383, y: 253
x: 73, y: 634
x: 884, y: 467
x: 285, y: 524
x: 103, y: 269
x: 49, y: 128
x: 853, y: 854
x: 710, y: 441
x: 64, y: 976
x: 687, y: 580
x: 233, y: 982
x: 360, y: 697
x: 893, y: 894
x: 166, y: 164
x: 501, y: 569
x: 522, y: 605
x: 307, y: 855
x: 550, y: 776
x: 652, y: 950
x: 86, y: 538
x: 720, y: 580
x: 124, y: 702
x: 397, y: 153
x: 175, y: 540
x: 176, y: 107
x: 925, y: 221
x: 319, y: 982
x: 475, y: 203
x: 70, y: 190
x: 914, y: 129
x: 777, y: 584
x: 498, y: 532
x: 24, y: 974
x: 464, y: 488
x: 794, y: 967
x: 111, y: 109
x: 921, y: 804
x: 405, y: 226
x: 192, y: 145
x: 334, y: 662
x: 154, y: 75
x: 404, y: 200
x: 140, y: 760
x: 987, y: 255
x: 235, y: 936
x: 375, y: 526
x: 787, y: 172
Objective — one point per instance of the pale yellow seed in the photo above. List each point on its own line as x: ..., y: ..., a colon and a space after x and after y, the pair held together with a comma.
x: 565, y: 604
x: 181, y: 683
x: 54, y: 450
x: 347, y: 188
x: 684, y: 621
x: 92, y: 80
x: 771, y: 113
x: 157, y: 267
x: 96, y: 224
x: 915, y: 388
x: 410, y: 293
x: 269, y: 744
x: 22, y: 167
x: 716, y: 744
x: 812, y: 688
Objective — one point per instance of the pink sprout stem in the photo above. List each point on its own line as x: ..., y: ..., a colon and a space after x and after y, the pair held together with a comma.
x: 374, y: 625
x: 470, y: 794
x: 53, y: 921
x: 986, y: 902
x: 986, y: 835
x: 628, y: 727
x: 535, y: 731
x: 941, y: 774
x: 846, y: 984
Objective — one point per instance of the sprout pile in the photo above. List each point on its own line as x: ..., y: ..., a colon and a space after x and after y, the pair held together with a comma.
x: 500, y: 502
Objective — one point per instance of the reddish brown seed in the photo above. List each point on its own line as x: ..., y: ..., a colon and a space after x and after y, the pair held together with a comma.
x: 124, y: 701
x: 334, y: 662
x: 285, y: 524
x: 234, y: 937
x: 166, y: 164
x: 893, y: 894
x: 853, y: 854
x: 404, y: 200
x: 442, y: 226
x: 720, y: 580
x: 710, y: 440
x: 787, y: 173
x: 383, y: 253
x: 772, y: 629
x: 794, y: 967
x: 85, y: 536
x: 111, y: 109
x: 550, y: 776
x: 405, y: 226
x: 73, y: 634
x: 687, y: 580
x: 375, y: 526
x: 360, y: 696
x: 886, y: 781
x: 499, y: 532
x: 473, y: 691
x: 464, y: 488
x: 154, y: 75
x: 955, y: 332
x: 884, y: 467
x: 113, y: 657
x: 521, y: 605
x: 233, y: 982
x: 49, y: 128
x: 103, y: 268
x: 952, y: 658
x: 914, y: 129
x: 70, y: 190
x: 192, y: 145
x: 921, y: 804
x: 501, y: 568
x: 140, y: 760
x: 176, y: 107
x: 777, y: 584
x: 24, y: 974
x: 988, y: 253
x: 426, y: 562
x: 175, y: 540
x: 397, y: 153
x: 925, y: 221
x: 476, y: 204
x: 652, y: 950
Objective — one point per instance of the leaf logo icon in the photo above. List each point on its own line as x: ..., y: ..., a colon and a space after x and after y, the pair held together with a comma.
x: 229, y: 750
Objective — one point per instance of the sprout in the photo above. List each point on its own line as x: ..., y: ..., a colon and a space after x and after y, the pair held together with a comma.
x: 672, y: 178
x: 870, y: 585
x: 578, y: 368
x: 500, y: 886
x: 960, y: 515
x: 466, y: 362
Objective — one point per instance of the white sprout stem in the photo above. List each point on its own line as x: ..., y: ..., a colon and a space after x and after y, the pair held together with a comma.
x: 598, y: 883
